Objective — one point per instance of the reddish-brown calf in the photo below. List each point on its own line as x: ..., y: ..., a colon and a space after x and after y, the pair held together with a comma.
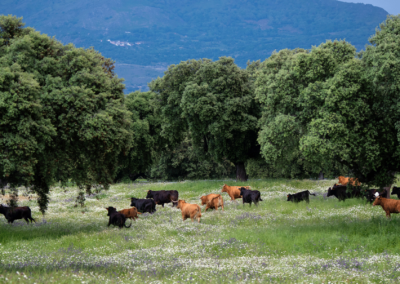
x: 191, y: 211
x: 131, y: 213
x: 345, y: 180
x: 388, y: 205
x: 212, y: 201
x: 233, y: 191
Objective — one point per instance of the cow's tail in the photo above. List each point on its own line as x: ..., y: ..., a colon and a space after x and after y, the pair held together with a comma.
x: 198, y: 214
x: 129, y: 224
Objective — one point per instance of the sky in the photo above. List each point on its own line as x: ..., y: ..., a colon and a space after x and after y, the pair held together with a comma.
x: 391, y: 6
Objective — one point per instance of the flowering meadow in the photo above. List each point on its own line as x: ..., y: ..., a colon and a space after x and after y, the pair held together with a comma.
x: 325, y: 241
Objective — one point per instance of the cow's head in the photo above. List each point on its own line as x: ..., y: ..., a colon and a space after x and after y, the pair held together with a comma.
x: 330, y: 192
x: 111, y: 210
x: 378, y: 201
x: 289, y: 197
x: 149, y: 194
x: 180, y: 203
x: 242, y: 190
x: 395, y: 190
x: 203, y: 200
x: 175, y: 203
x: 133, y: 201
x: 224, y: 188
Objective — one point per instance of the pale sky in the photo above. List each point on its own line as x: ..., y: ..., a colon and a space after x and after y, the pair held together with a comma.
x: 391, y: 6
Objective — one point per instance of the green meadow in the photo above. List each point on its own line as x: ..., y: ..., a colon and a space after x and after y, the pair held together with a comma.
x: 275, y: 242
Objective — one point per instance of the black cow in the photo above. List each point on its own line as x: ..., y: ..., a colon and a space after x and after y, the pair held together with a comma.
x: 300, y: 196
x: 144, y: 205
x: 371, y: 194
x: 249, y: 196
x: 164, y: 196
x: 15, y: 213
x: 116, y: 218
x: 342, y: 193
x: 396, y: 190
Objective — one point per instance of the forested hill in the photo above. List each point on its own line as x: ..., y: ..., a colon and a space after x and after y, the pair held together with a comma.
x: 156, y: 33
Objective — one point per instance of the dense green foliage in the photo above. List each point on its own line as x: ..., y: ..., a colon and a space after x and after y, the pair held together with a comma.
x: 146, y: 128
x: 175, y: 30
x: 214, y: 102
x: 186, y: 162
x: 62, y: 112
x: 325, y: 109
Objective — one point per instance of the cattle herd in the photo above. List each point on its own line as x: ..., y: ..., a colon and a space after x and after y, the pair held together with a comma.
x: 349, y: 188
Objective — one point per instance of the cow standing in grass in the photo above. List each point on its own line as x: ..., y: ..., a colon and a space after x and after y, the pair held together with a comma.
x: 345, y: 180
x: 212, y: 201
x: 144, y: 205
x: 191, y: 211
x: 396, y: 190
x: 249, y: 196
x: 130, y: 213
x: 116, y: 218
x: 163, y: 196
x: 15, y: 213
x: 388, y: 205
x: 300, y: 196
x: 233, y: 191
x: 371, y: 194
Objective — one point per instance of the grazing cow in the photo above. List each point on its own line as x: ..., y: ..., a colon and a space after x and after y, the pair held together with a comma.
x: 249, y: 196
x: 396, y: 190
x: 371, y: 194
x: 212, y: 201
x: 345, y: 180
x: 15, y: 213
x: 144, y: 205
x: 191, y: 211
x: 341, y: 192
x: 300, y: 196
x: 388, y: 205
x: 233, y: 191
x: 116, y: 218
x: 163, y: 196
x: 130, y: 213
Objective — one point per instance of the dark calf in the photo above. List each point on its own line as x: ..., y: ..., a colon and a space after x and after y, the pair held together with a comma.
x: 396, y: 190
x: 371, y: 194
x: 342, y: 192
x: 300, y: 196
x: 163, y: 196
x: 15, y: 213
x: 249, y: 196
x: 144, y: 205
x: 116, y: 218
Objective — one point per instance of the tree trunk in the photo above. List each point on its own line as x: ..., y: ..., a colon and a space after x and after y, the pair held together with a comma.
x: 321, y: 175
x: 388, y: 187
x: 240, y: 172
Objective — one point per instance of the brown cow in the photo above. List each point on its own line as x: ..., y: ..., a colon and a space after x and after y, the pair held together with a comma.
x: 131, y: 213
x: 233, y: 191
x: 345, y: 180
x: 191, y: 211
x: 388, y: 205
x: 212, y: 201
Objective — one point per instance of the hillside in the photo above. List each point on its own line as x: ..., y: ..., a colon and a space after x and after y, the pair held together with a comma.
x: 146, y: 36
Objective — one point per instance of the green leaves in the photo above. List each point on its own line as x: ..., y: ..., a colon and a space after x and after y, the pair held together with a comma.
x: 62, y: 112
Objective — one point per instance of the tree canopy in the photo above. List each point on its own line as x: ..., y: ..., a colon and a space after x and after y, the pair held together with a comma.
x: 214, y: 102
x: 326, y: 107
x: 62, y: 112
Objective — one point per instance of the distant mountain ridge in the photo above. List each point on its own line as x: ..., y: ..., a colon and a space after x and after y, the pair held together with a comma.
x: 162, y: 32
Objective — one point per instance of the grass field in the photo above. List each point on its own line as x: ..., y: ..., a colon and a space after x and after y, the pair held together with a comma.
x: 278, y: 241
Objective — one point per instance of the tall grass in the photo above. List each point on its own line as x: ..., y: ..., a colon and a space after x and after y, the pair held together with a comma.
x: 277, y: 241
